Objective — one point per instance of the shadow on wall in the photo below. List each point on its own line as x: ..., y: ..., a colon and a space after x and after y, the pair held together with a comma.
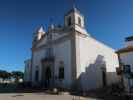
x: 95, y: 75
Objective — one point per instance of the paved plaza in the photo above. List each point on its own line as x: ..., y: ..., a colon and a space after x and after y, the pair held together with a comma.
x: 39, y: 96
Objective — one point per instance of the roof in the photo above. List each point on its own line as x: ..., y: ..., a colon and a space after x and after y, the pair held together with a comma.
x: 130, y: 38
x: 126, y: 49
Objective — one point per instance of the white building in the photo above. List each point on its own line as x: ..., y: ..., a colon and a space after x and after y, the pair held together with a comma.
x: 69, y: 57
x: 27, y: 72
x: 126, y: 61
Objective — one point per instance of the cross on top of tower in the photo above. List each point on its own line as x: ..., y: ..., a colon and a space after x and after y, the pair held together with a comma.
x: 73, y: 7
x: 72, y: 3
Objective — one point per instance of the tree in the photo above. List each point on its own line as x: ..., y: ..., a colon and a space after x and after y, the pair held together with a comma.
x: 4, y: 75
x: 17, y: 75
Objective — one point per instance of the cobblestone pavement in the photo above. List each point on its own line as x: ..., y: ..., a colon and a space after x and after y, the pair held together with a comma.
x: 39, y: 96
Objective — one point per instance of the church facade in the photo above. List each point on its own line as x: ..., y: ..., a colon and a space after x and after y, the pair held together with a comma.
x: 69, y: 57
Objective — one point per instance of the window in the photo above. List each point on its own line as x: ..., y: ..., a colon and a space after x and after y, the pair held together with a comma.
x: 127, y: 69
x: 49, y: 52
x: 37, y: 76
x: 69, y: 21
x: 79, y: 21
x: 61, y: 73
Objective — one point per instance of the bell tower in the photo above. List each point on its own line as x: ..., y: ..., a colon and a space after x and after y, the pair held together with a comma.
x: 75, y: 20
x: 74, y: 17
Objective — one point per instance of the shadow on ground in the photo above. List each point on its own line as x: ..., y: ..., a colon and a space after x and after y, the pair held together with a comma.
x: 102, y: 94
x: 99, y: 94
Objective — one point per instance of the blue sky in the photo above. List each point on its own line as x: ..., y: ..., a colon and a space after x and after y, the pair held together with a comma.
x: 109, y: 21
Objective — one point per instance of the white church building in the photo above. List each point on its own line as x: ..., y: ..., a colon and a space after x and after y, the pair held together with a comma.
x: 69, y: 57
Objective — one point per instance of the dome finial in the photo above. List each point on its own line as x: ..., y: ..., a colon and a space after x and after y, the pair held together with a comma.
x: 40, y: 29
x: 74, y: 4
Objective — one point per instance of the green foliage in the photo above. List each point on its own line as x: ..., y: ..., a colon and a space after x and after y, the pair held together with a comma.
x: 17, y: 75
x: 5, y: 75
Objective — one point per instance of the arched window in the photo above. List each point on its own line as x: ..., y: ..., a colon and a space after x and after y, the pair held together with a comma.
x: 69, y: 21
x: 36, y: 75
x: 61, y: 70
x: 79, y: 21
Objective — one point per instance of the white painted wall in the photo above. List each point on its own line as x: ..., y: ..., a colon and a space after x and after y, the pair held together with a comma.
x: 77, y: 15
x: 129, y: 43
x: 90, y: 63
x: 56, y: 36
x: 42, y: 42
x: 37, y: 57
x: 127, y: 58
x: 87, y: 50
x: 62, y: 52
x: 81, y: 30
x: 27, y: 73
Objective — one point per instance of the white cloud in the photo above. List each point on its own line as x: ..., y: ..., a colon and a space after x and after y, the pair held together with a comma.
x: 4, y: 65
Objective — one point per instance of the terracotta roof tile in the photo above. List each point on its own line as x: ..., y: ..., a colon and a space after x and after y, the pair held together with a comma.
x: 126, y: 49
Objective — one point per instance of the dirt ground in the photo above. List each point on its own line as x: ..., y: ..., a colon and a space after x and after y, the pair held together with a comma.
x: 39, y: 96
